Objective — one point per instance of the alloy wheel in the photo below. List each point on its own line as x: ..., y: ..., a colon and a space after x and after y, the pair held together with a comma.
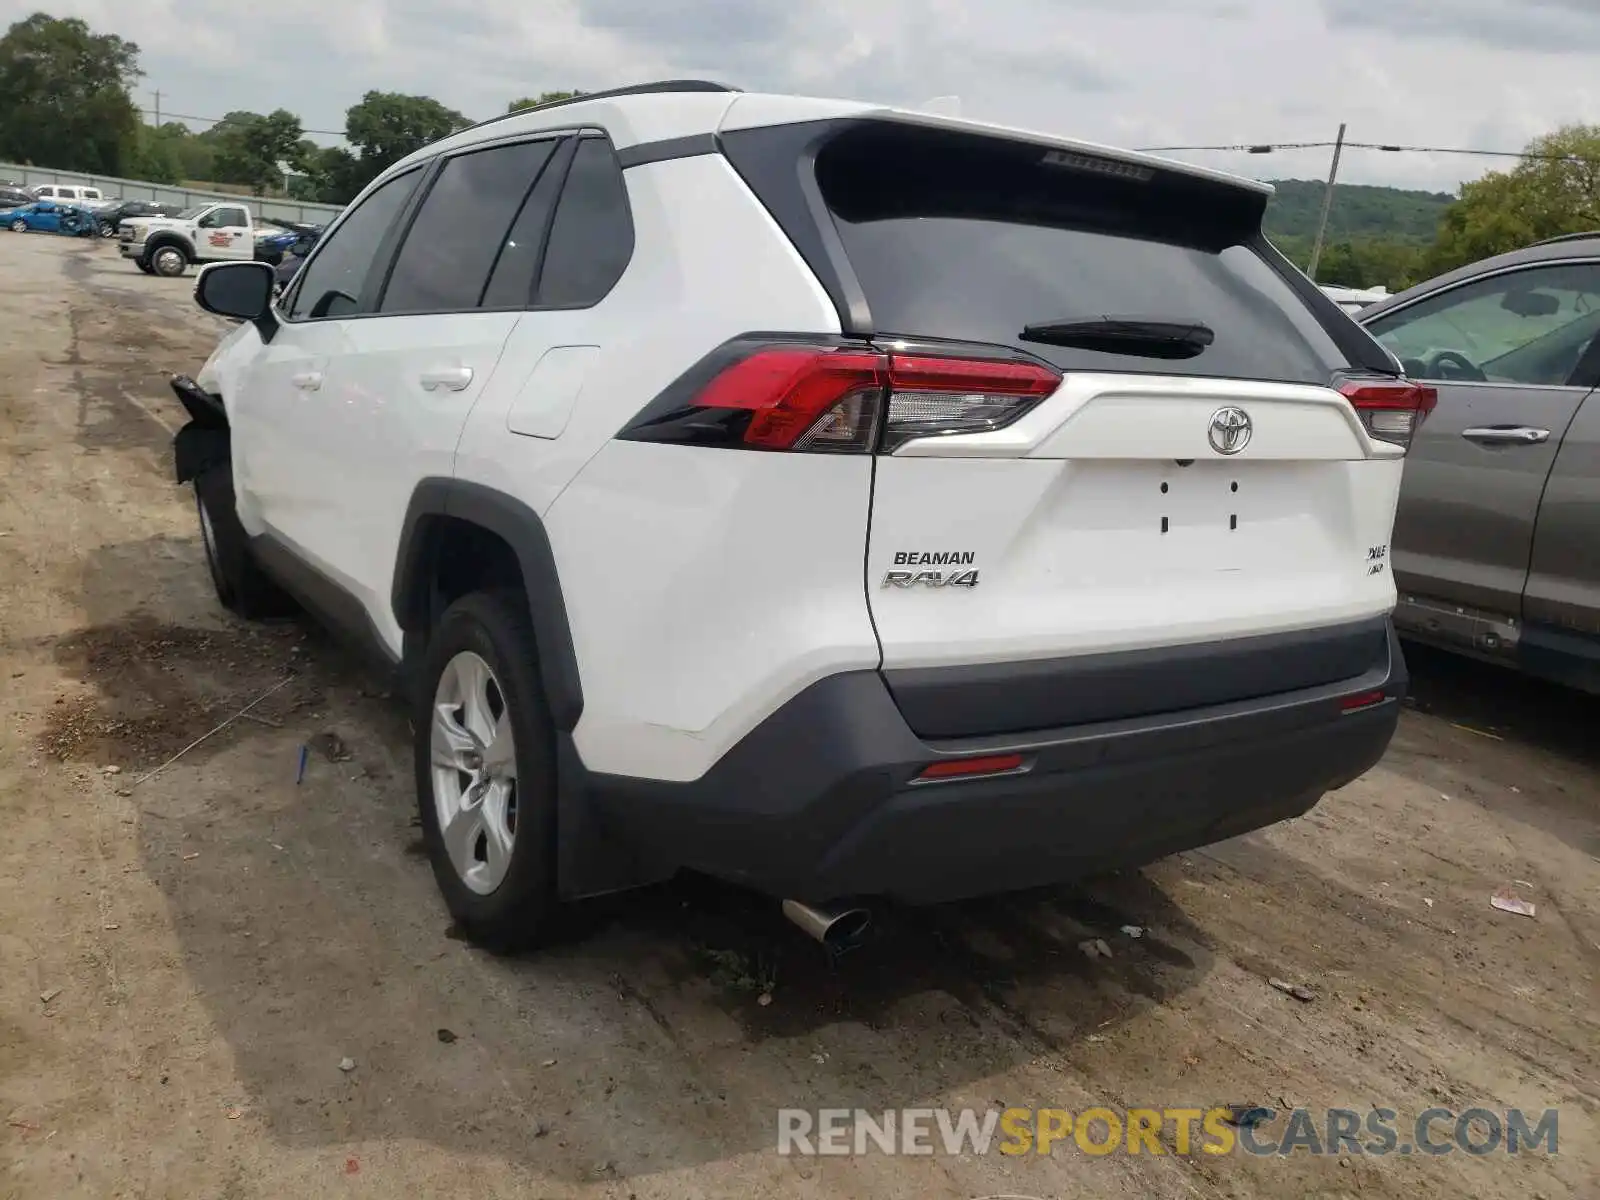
x: 474, y: 756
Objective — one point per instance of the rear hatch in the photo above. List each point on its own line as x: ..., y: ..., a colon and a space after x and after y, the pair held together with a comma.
x: 1175, y: 507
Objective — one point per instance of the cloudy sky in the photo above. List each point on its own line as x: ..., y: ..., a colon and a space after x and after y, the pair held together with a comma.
x: 1461, y: 73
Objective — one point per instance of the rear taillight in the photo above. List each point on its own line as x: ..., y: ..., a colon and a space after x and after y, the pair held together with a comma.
x: 1390, y: 409
x: 801, y: 397
x: 931, y: 397
x: 768, y: 394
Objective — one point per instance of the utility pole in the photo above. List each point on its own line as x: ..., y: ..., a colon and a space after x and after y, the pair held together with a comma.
x: 157, y: 95
x: 1327, y: 204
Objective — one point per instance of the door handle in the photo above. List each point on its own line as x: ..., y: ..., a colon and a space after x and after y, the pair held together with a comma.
x: 308, y: 381
x: 1518, y: 435
x: 450, y: 379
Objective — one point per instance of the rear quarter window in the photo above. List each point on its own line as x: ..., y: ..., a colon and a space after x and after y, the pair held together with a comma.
x: 591, y: 235
x: 972, y: 238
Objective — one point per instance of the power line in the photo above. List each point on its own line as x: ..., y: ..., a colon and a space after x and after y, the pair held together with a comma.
x: 1390, y: 149
x: 1233, y: 148
x: 172, y: 116
x: 1242, y: 147
x: 1385, y: 147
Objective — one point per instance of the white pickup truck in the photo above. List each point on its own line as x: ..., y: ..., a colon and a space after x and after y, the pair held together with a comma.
x: 215, y: 232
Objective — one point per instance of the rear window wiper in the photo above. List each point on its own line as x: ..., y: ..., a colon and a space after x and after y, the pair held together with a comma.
x: 1149, y: 337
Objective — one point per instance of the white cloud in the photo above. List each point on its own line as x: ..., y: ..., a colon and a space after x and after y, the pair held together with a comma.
x: 1134, y: 72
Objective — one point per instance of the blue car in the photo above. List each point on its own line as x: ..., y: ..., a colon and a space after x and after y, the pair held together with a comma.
x: 294, y: 239
x: 47, y: 216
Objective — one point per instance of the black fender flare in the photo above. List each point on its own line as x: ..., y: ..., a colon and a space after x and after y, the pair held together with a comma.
x: 520, y: 528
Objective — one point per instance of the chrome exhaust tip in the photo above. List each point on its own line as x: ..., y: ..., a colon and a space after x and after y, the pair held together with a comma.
x: 837, y: 929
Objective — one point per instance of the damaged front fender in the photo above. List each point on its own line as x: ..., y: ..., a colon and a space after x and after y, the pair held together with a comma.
x: 206, y: 440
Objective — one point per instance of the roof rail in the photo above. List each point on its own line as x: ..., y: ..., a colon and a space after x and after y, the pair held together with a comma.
x: 636, y: 89
x: 1568, y: 237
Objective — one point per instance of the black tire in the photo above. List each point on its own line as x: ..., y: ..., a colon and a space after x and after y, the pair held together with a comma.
x: 241, y: 585
x: 521, y: 911
x: 144, y: 266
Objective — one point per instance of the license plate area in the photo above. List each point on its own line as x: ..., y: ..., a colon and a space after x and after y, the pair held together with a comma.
x: 1171, y: 498
x: 1165, y: 520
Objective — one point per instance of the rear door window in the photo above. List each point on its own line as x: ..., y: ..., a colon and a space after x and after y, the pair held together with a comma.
x: 1531, y: 326
x: 515, y: 274
x: 972, y: 238
x: 462, y: 228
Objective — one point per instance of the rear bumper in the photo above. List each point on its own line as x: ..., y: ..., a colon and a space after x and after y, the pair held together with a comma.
x: 819, y: 803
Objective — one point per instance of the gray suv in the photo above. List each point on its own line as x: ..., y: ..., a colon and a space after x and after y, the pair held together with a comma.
x: 1497, y: 539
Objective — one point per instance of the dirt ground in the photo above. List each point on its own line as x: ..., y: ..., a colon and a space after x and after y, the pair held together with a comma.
x: 185, y: 960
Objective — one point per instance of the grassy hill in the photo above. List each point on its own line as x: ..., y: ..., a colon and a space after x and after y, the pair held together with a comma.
x: 1359, y: 211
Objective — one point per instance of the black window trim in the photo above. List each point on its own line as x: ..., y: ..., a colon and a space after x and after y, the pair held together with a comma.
x: 389, y: 248
x: 384, y: 254
x: 584, y: 135
x: 560, y: 159
x: 1588, y: 367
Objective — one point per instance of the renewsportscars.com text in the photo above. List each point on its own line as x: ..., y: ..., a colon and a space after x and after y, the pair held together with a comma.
x: 1100, y: 1130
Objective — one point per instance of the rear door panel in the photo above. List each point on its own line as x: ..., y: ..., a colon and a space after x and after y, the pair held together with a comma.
x: 1506, y: 372
x: 1465, y: 525
x: 1564, y: 573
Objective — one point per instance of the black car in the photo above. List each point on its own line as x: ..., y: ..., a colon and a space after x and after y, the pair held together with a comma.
x: 14, y: 197
x: 111, y: 218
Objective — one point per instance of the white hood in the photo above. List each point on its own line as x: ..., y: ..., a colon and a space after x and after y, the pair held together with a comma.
x: 150, y: 224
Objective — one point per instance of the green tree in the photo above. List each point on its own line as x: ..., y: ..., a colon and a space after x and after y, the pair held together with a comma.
x: 156, y: 157
x: 387, y: 126
x: 194, y: 156
x: 1555, y: 190
x: 1371, y: 262
x: 250, y: 149
x: 332, y: 176
x: 541, y: 98
x: 64, y: 98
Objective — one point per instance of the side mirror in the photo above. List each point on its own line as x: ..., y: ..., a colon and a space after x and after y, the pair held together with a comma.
x: 242, y: 290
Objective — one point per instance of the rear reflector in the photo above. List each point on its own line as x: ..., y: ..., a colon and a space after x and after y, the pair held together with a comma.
x: 968, y: 768
x: 1362, y: 700
x: 771, y: 394
x: 1390, y: 409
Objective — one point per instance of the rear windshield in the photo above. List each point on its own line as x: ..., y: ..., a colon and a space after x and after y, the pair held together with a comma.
x: 973, y: 238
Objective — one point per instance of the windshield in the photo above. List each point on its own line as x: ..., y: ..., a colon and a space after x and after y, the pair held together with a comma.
x: 190, y: 214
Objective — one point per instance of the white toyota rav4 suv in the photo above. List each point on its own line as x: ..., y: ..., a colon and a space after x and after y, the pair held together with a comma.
x: 839, y: 500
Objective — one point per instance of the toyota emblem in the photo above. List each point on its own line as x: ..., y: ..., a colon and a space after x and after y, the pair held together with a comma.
x: 1230, y: 430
